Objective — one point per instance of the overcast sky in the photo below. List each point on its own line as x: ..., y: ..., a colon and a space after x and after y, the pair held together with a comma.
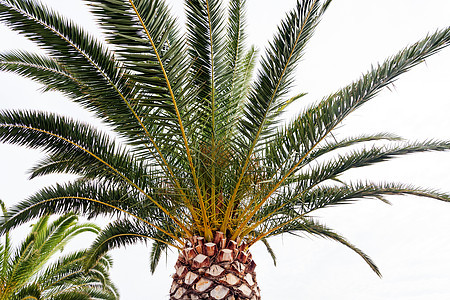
x: 408, y: 240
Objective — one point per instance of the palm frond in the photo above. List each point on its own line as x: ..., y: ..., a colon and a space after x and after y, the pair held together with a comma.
x: 82, y: 56
x: 104, y: 87
x: 313, y: 125
x: 273, y: 81
x: 41, y: 69
x: 330, y: 145
x: 270, y: 250
x: 31, y: 129
x: 89, y: 199
x: 309, y: 226
x: 33, y: 274
x: 321, y: 196
x: 331, y: 169
x: 155, y: 255
x: 274, y: 76
x: 125, y: 232
x: 304, y: 134
x: 235, y: 47
x: 205, y: 39
x: 295, y: 203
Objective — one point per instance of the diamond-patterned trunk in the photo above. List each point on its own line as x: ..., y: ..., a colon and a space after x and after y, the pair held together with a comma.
x: 222, y: 269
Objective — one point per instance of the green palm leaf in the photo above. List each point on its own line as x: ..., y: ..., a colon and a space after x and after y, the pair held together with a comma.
x: 31, y: 273
x: 313, y: 125
x: 273, y: 82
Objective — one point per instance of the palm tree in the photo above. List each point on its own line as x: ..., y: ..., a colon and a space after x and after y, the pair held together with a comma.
x: 199, y: 159
x: 31, y: 271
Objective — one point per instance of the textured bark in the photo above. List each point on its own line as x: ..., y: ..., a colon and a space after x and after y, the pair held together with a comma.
x: 220, y: 270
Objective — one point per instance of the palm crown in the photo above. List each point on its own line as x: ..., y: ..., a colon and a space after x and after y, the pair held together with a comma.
x: 198, y: 147
x: 32, y: 272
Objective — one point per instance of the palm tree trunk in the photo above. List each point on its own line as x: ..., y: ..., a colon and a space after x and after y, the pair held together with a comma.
x: 222, y: 269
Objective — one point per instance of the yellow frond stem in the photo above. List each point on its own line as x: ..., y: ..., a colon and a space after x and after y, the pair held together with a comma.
x: 172, y: 95
x: 109, y: 167
x: 114, y: 207
x: 238, y: 232
x: 247, y: 161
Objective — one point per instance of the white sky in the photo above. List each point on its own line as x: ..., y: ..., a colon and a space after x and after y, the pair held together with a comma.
x: 408, y: 240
